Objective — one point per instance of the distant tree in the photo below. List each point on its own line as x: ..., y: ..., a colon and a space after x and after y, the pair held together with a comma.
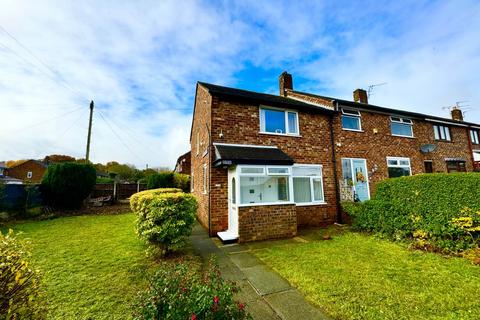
x: 66, y: 185
x: 123, y: 171
x: 58, y: 158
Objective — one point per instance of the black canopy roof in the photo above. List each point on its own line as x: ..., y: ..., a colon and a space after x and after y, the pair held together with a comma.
x: 238, y: 154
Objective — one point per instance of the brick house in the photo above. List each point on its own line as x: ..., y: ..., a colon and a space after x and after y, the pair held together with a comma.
x: 184, y: 164
x: 263, y: 165
x: 30, y: 171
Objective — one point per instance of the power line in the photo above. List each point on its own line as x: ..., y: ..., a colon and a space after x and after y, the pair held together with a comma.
x: 56, y: 77
x: 116, y: 134
x: 50, y: 119
x: 75, y: 122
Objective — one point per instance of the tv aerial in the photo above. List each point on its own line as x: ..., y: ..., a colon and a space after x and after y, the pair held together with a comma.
x: 373, y: 86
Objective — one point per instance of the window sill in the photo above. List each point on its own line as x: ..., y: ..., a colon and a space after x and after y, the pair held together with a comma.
x: 441, y: 140
x: 399, y: 135
x: 353, y: 130
x: 265, y: 204
x: 306, y: 204
x: 281, y: 134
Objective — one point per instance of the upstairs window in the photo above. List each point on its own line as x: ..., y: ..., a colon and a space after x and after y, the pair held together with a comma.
x: 401, y: 127
x: 278, y: 121
x: 442, y: 133
x: 351, y: 120
x: 398, y: 167
x: 474, y: 136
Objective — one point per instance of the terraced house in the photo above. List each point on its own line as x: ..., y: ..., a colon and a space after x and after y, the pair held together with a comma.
x: 264, y: 165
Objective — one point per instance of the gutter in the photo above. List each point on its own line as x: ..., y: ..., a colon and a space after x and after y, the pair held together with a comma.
x: 334, y: 160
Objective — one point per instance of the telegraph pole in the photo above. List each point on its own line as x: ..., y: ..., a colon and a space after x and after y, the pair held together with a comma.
x: 89, y: 132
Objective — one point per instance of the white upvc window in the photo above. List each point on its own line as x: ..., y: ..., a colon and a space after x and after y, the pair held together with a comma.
x: 474, y: 136
x: 264, y: 185
x: 29, y: 175
x: 279, y: 121
x: 442, y: 133
x: 307, y: 184
x: 401, y: 127
x: 351, y: 120
x: 204, y: 178
x: 398, y: 167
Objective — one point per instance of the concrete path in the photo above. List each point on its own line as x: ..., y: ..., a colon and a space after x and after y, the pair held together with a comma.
x: 266, y: 294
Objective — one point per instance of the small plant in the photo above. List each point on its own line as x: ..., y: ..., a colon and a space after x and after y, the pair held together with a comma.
x: 184, y: 292
x: 164, y: 218
x: 66, y: 185
x: 19, y: 290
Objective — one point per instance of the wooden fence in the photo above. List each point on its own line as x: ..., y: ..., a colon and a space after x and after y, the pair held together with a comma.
x: 117, y: 190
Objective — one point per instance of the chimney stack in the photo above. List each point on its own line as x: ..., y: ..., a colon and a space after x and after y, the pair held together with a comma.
x: 285, y: 81
x: 457, y: 114
x: 360, y: 95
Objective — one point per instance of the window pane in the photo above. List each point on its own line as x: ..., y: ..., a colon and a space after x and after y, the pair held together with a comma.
x: 435, y: 131
x: 258, y: 170
x: 263, y: 189
x: 347, y: 170
x: 274, y: 121
x: 447, y: 133
x: 404, y: 163
x: 317, y: 189
x: 352, y: 123
x: 277, y: 170
x: 398, y: 172
x: 234, y: 192
x: 301, y: 190
x: 306, y: 171
x: 292, y: 122
x: 401, y: 129
x: 392, y: 162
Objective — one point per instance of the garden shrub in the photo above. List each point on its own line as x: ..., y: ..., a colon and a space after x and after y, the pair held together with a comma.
x: 182, y: 291
x: 160, y: 180
x: 66, y: 185
x: 164, y: 217
x: 435, y: 209
x: 181, y: 181
x: 20, y: 295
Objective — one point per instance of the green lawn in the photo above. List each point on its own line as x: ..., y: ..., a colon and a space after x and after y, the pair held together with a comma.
x: 92, y: 265
x: 356, y: 276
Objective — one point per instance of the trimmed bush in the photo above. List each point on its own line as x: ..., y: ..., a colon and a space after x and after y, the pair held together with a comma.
x: 182, y: 181
x: 160, y: 180
x: 164, y: 217
x: 428, y: 207
x: 19, y: 289
x: 66, y: 185
x: 184, y: 292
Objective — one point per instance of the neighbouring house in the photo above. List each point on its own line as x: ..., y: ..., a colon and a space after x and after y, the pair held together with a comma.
x: 264, y: 165
x: 30, y: 171
x: 183, y: 163
x: 3, y: 167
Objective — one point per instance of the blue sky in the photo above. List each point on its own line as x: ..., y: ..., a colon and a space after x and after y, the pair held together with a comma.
x: 140, y: 60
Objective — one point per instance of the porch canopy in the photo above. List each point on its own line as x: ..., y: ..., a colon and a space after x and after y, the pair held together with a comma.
x: 231, y: 154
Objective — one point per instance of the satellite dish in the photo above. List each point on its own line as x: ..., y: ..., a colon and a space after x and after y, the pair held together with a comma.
x: 426, y: 148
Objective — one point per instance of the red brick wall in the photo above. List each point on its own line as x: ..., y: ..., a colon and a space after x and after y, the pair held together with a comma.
x: 266, y: 222
x: 21, y: 171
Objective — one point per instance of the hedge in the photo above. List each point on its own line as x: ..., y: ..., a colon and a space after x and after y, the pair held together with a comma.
x: 441, y: 209
x: 165, y: 217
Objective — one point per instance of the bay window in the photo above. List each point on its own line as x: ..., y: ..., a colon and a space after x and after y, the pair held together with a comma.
x: 307, y: 184
x: 278, y: 121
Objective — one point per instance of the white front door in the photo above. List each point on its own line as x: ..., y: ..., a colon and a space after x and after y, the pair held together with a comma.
x: 232, y: 204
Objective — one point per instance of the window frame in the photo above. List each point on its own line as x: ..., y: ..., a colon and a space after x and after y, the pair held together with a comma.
x: 474, y: 138
x: 398, y: 165
x: 312, y: 191
x: 349, y: 113
x: 204, y: 174
x: 285, y: 114
x: 439, y: 129
x: 29, y: 175
x: 403, y: 121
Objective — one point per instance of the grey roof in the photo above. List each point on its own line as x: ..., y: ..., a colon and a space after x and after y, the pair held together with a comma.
x: 3, y: 165
x: 226, y: 154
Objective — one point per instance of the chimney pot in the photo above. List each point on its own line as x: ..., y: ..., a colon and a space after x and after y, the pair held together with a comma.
x: 457, y: 114
x: 285, y: 81
x: 360, y: 95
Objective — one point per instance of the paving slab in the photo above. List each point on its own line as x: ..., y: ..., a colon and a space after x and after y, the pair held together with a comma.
x: 260, y: 310
x: 291, y: 305
x: 245, y: 260
x: 247, y: 293
x: 265, y: 281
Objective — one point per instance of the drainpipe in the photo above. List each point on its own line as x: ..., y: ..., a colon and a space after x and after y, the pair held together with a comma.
x: 209, y: 175
x: 469, y: 138
x: 334, y: 161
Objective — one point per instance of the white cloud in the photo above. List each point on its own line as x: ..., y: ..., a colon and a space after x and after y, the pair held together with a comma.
x: 139, y: 61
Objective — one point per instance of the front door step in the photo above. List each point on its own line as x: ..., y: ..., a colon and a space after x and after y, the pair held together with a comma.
x: 227, y: 236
